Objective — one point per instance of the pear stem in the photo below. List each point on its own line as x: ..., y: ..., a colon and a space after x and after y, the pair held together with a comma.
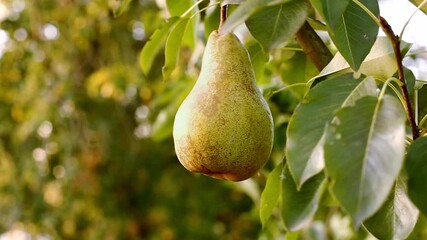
x: 223, y: 16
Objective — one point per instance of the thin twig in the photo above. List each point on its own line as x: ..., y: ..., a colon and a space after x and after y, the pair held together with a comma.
x: 395, y: 42
x: 223, y: 16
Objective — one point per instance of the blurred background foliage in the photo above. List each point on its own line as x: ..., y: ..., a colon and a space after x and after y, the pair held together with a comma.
x: 85, y: 138
x: 86, y: 148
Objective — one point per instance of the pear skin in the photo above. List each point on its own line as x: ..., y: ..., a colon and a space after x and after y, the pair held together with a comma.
x: 224, y: 127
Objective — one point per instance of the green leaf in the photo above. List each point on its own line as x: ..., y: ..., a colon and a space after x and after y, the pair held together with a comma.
x: 270, y: 195
x: 153, y: 46
x: 355, y: 32
x: 317, y: 24
x: 298, y: 69
x: 173, y: 44
x: 410, y: 79
x: 299, y: 206
x: 292, y: 235
x: 244, y: 11
x: 211, y: 21
x: 259, y: 60
x: 123, y: 5
x: 169, y: 101
x: 330, y: 10
x: 380, y: 62
x: 396, y: 218
x: 364, y: 152
x: 419, y: 232
x: 422, y: 105
x: 176, y: 8
x: 284, y: 21
x: 189, y: 38
x: 304, y: 148
x: 416, y: 166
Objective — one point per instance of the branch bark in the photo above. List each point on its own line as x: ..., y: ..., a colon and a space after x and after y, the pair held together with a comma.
x: 395, y: 42
x: 313, y: 46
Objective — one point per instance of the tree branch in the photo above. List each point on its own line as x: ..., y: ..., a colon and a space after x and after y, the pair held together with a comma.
x: 395, y: 42
x: 313, y: 46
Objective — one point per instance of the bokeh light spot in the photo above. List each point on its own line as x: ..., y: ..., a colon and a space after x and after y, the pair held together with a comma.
x: 50, y: 32
x: 20, y: 34
x: 138, y: 31
x: 45, y: 129
x: 59, y: 171
x: 142, y: 112
x: 40, y: 155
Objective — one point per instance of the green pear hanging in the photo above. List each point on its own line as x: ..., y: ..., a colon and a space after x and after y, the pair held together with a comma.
x: 224, y: 128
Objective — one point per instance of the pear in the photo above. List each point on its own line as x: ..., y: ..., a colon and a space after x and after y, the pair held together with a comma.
x: 224, y: 128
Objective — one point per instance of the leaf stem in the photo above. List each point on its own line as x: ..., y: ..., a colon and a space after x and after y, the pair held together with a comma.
x: 223, y: 17
x: 203, y: 9
x: 285, y: 88
x: 388, y: 83
x: 395, y: 42
x: 191, y: 8
x: 395, y: 90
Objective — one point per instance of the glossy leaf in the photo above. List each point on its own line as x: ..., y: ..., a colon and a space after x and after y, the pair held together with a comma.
x: 244, y: 11
x: 379, y: 63
x: 330, y: 10
x: 173, y: 44
x: 284, y: 21
x: 396, y: 218
x: 364, y: 152
x: 355, y: 32
x: 123, y: 5
x: 299, y: 206
x: 270, y: 195
x: 304, y: 148
x: 416, y: 166
x: 153, y: 46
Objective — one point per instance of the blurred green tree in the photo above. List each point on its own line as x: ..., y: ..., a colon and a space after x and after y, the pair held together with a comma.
x: 86, y: 148
x: 77, y: 116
